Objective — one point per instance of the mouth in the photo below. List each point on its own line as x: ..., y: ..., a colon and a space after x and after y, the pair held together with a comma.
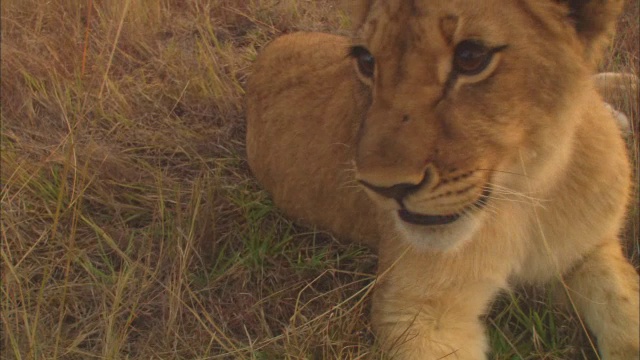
x: 434, y: 220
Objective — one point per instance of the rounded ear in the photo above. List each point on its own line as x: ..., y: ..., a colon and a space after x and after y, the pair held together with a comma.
x: 595, y: 24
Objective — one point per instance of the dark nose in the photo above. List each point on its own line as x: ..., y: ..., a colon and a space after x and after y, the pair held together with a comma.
x: 398, y: 191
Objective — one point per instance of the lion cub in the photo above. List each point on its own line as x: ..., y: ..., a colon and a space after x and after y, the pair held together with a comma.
x: 466, y: 141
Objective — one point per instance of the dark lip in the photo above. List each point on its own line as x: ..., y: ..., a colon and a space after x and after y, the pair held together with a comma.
x: 433, y: 220
x: 426, y: 220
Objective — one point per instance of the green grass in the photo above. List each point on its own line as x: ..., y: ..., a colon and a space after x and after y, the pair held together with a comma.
x: 131, y: 226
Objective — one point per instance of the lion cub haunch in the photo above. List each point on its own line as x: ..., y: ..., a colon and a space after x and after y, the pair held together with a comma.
x: 468, y: 142
x: 304, y: 103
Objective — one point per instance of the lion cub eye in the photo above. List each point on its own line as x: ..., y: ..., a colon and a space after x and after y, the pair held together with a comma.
x: 471, y: 57
x: 366, y: 62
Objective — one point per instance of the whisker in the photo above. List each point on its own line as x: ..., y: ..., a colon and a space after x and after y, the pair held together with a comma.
x: 504, y: 172
x: 502, y: 190
x: 351, y: 185
x: 342, y: 144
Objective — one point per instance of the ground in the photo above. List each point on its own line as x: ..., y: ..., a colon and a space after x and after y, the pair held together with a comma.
x: 131, y: 225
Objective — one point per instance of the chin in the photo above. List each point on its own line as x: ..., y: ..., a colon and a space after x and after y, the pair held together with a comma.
x: 443, y: 238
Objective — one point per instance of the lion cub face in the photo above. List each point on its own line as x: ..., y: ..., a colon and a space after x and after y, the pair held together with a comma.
x: 470, y: 104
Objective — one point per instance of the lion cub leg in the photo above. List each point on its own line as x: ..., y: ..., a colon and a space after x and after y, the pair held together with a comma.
x: 442, y: 325
x: 423, y: 312
x: 604, y: 289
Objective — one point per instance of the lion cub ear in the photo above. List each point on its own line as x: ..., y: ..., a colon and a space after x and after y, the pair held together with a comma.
x: 595, y: 23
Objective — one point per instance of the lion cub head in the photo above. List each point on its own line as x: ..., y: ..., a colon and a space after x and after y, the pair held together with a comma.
x: 471, y: 102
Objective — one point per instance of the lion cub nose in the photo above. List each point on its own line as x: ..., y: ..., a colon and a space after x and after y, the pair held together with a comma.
x: 401, y: 189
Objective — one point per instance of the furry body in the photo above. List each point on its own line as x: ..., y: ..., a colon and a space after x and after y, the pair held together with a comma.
x: 545, y: 146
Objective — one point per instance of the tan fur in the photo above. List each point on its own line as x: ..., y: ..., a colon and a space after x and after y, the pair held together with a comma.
x: 618, y: 90
x: 532, y: 128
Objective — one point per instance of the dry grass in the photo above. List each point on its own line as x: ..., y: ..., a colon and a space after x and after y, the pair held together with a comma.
x: 131, y: 227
